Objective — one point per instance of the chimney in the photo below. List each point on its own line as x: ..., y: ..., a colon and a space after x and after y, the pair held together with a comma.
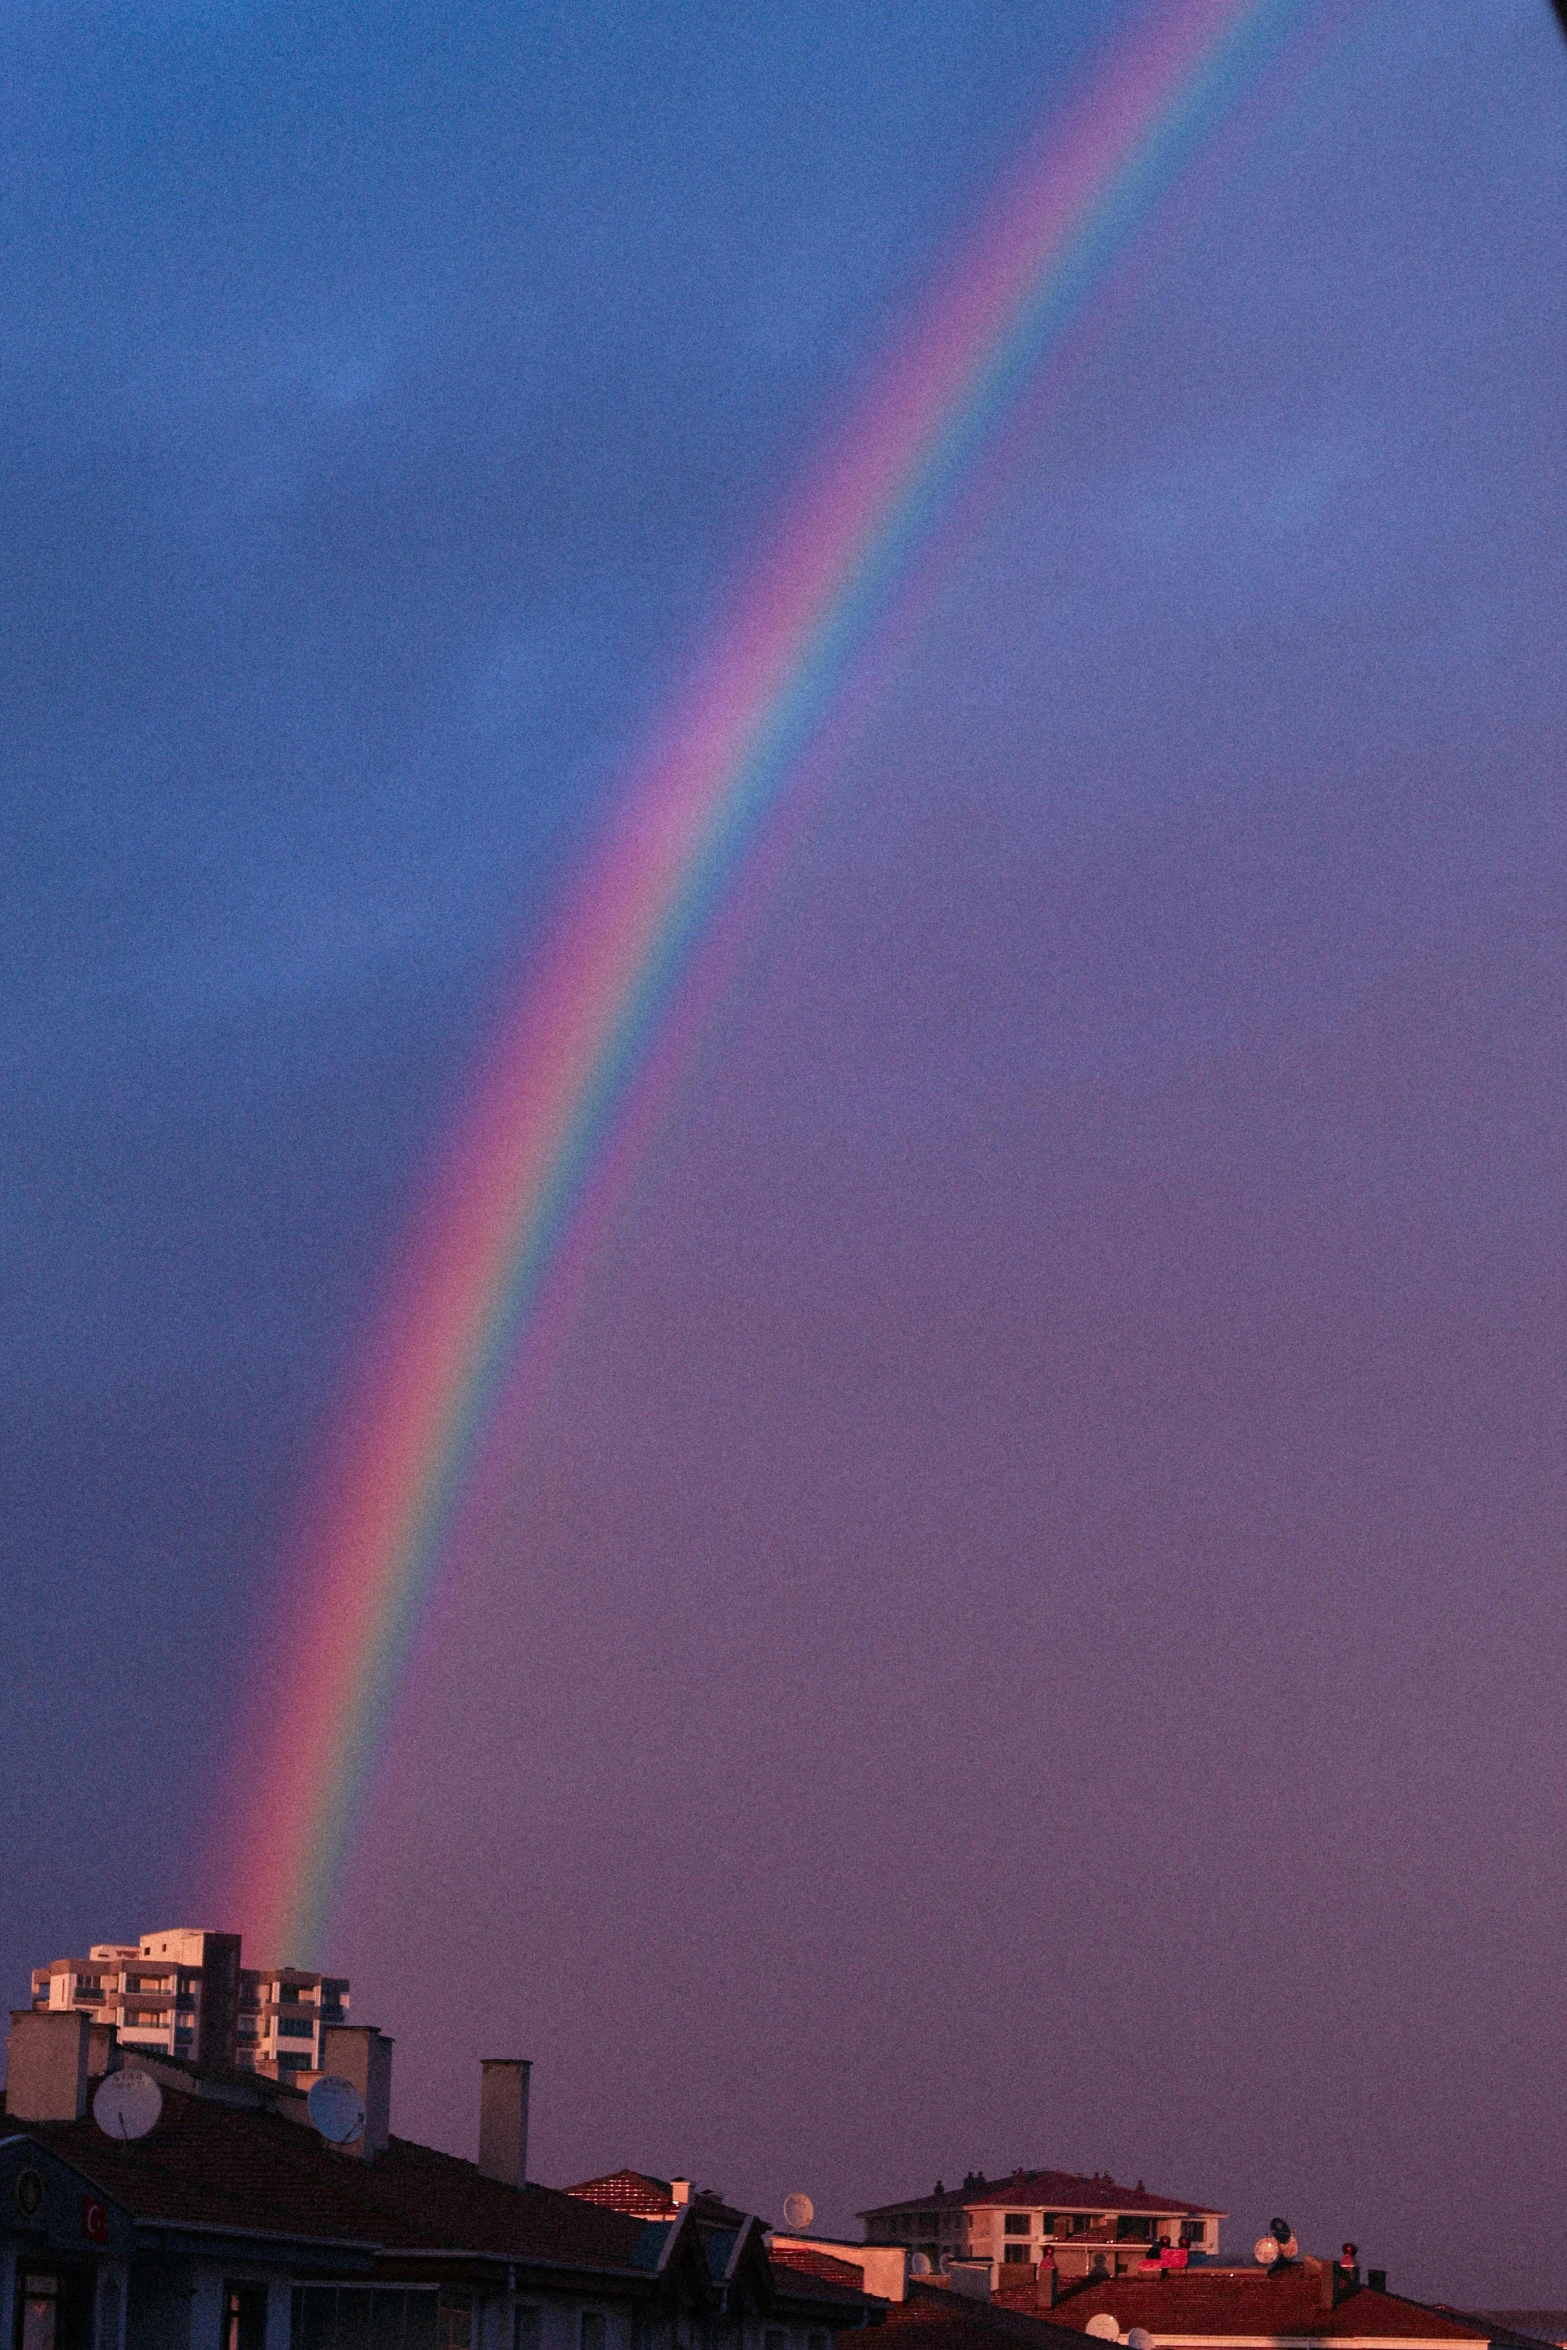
x: 1045, y: 2282
x: 503, y: 2118
x: 1376, y: 2278
x: 46, y: 2065
x: 679, y: 2192
x: 103, y: 2049
x: 361, y: 2054
x: 218, y: 2022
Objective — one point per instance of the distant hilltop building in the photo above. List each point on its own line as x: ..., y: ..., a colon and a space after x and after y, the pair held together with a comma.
x: 184, y: 1993
x: 1081, y: 2227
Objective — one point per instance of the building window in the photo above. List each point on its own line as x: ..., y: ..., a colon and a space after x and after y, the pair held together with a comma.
x: 348, y: 2317
x: 526, y: 2328
x: 1016, y: 2254
x: 1048, y: 2223
x: 53, y: 2310
x: 592, y: 2333
x: 454, y: 2321
x: 244, y: 2317
x: 1129, y: 2230
x: 1015, y: 2224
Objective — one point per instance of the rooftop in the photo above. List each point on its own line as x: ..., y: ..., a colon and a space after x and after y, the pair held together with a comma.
x: 216, y: 2165
x: 1259, y: 2305
x: 646, y: 2197
x: 1048, y: 2190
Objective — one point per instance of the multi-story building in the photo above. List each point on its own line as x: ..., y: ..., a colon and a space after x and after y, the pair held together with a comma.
x: 176, y: 1992
x: 182, y: 1992
x: 283, y: 2013
x: 1080, y: 2226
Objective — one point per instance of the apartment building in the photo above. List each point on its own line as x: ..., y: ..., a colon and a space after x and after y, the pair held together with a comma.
x: 175, y: 1992
x: 183, y: 1992
x: 1081, y: 2226
x: 284, y: 2013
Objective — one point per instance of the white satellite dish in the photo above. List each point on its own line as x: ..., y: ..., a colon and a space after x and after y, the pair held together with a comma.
x: 1103, y: 2327
x: 1266, y: 2251
x: 919, y: 2266
x: 336, y: 2109
x: 799, y: 2211
x: 1139, y: 2339
x: 127, y: 2104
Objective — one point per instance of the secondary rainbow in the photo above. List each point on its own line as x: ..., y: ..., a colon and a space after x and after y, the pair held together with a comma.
x: 543, y: 1146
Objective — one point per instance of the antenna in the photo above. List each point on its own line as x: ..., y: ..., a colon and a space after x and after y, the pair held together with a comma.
x: 336, y: 2109
x: 798, y: 2211
x: 127, y: 2104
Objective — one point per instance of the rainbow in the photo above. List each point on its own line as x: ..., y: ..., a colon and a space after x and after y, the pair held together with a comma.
x: 544, y: 1146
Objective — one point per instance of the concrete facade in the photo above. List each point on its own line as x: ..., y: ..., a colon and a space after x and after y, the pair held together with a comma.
x: 184, y: 1992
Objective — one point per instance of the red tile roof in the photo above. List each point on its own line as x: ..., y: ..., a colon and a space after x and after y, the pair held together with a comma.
x: 635, y: 2191
x: 949, y: 2320
x: 211, y: 2165
x: 646, y: 2197
x: 1258, y: 2305
x: 1049, y: 2190
x: 825, y: 2265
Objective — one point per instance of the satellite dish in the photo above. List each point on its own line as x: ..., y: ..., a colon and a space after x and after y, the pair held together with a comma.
x: 799, y: 2210
x: 1103, y: 2327
x: 127, y: 2104
x: 1139, y: 2339
x: 1281, y: 2229
x: 336, y: 2109
x: 1288, y: 2249
x: 1267, y: 2250
x: 919, y: 2266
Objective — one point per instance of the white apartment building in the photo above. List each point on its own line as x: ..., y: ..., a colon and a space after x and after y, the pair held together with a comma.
x: 183, y: 1992
x: 283, y: 2012
x: 1079, y: 2226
